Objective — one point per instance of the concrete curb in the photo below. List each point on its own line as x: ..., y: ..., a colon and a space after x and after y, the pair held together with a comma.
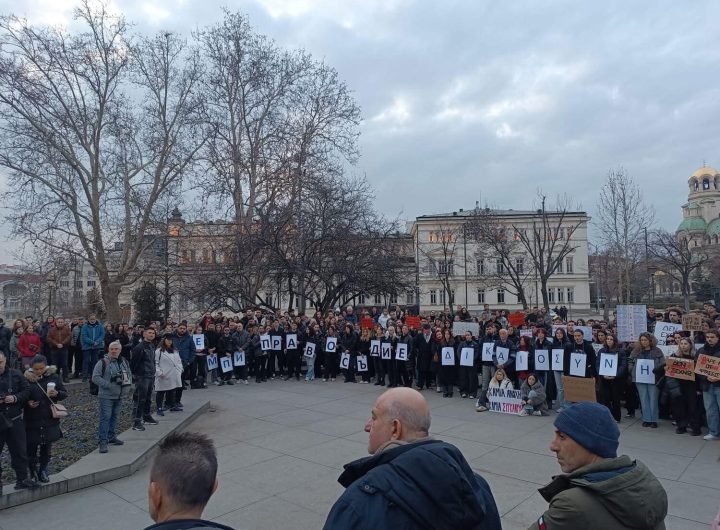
x: 121, y: 461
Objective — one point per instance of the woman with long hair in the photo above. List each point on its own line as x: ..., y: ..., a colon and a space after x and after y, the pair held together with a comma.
x: 646, y: 348
x: 610, y: 388
x: 168, y: 377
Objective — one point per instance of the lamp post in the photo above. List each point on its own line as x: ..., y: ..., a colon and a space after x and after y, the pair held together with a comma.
x: 51, y: 280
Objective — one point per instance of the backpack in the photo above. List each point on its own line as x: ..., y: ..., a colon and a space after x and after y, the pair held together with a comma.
x: 93, y: 387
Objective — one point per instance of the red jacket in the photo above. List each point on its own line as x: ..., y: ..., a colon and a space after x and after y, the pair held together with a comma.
x: 25, y: 342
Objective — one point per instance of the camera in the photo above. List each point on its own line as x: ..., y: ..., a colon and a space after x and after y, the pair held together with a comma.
x: 118, y: 379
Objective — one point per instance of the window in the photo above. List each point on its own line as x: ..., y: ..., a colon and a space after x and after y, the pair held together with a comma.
x: 499, y: 267
x: 13, y: 303
x: 393, y: 298
x: 433, y: 297
x: 501, y: 296
x: 569, y: 264
x: 410, y: 298
x: 378, y: 299
x: 206, y: 257
x: 559, y: 269
x: 551, y: 295
x: 481, y: 266
x: 64, y: 283
x: 706, y: 184
x: 443, y: 297
x: 268, y: 296
x: 92, y: 274
x: 561, y: 233
x: 446, y: 267
x: 361, y: 299
x: 560, y: 295
x: 481, y: 296
x: 78, y: 284
x: 193, y: 256
x: 91, y: 283
x: 570, y: 294
x: 520, y: 265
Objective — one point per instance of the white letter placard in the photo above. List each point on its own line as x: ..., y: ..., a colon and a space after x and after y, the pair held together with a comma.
x: 309, y: 350
x: 542, y: 360
x: 265, y: 342
x: 448, y: 356
x: 502, y: 355
x: 386, y: 350
x: 212, y: 362
x: 578, y: 363
x: 521, y: 361
x: 488, y: 348
x: 644, y: 371
x: 467, y: 356
x: 291, y: 341
x: 199, y: 341
x: 362, y: 363
x: 401, y: 352
x: 374, y: 348
x: 558, y: 359
x: 331, y: 344
x: 608, y: 364
x: 226, y: 364
x: 276, y: 342
x: 239, y: 358
x: 345, y: 361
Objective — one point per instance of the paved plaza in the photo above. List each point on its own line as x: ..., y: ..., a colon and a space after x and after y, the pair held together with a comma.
x: 281, y: 447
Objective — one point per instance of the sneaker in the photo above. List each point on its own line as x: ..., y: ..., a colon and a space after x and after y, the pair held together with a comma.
x: 537, y: 413
x: 481, y: 408
x: 325, y: 380
x: 138, y: 426
x: 221, y: 383
x: 26, y: 484
x: 680, y: 430
x: 229, y: 382
x: 709, y: 437
x: 438, y: 390
x: 463, y: 396
x: 630, y: 415
x: 653, y: 425
x: 245, y: 381
x: 160, y: 412
x: 116, y: 441
x: 523, y: 412
x: 103, y: 447
x: 176, y: 409
x: 149, y: 420
x: 216, y: 383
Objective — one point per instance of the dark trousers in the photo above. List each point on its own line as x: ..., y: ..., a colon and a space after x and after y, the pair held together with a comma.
x: 426, y: 379
x: 379, y: 369
x: 14, y: 437
x: 332, y: 363
x: 166, y: 397
x: 89, y: 360
x: 198, y: 372
x: 32, y: 453
x: 77, y: 360
x: 281, y: 362
x: 447, y: 379
x: 685, y: 407
x: 142, y: 398
x: 260, y: 363
x: 294, y: 363
x: 59, y: 357
x: 609, y: 394
x: 468, y: 380
x: 350, y: 371
x: 241, y: 372
x: 632, y: 399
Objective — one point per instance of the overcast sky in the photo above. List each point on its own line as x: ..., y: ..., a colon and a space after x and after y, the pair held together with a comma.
x: 481, y: 100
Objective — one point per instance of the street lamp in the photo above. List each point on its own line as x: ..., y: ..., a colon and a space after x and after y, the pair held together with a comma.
x: 51, y: 281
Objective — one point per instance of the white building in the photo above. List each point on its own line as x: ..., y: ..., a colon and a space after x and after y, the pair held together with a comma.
x: 445, y: 258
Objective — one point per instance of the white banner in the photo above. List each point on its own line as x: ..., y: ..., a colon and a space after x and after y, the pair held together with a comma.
x: 644, y: 371
x: 467, y: 356
x: 199, y: 341
x: 226, y: 364
x: 505, y: 400
x: 578, y: 363
x: 631, y: 321
x: 587, y: 332
x: 401, y: 351
x: 459, y: 329
x: 608, y: 364
x: 239, y: 358
x: 448, y: 356
x: 542, y: 360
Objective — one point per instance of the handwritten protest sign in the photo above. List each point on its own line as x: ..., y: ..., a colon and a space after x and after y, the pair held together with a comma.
x: 631, y: 321
x: 579, y: 389
x: 459, y: 328
x: 505, y: 400
x: 692, y: 322
x: 663, y: 330
x: 708, y: 366
x: 680, y: 368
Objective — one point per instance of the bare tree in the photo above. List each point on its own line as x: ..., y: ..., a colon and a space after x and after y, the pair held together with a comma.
x: 622, y: 218
x: 439, y: 258
x: 96, y: 127
x: 677, y: 259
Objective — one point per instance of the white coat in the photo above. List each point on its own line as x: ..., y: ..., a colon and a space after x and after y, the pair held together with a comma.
x: 168, y: 370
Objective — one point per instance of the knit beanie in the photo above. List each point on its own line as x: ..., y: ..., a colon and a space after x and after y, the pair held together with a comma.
x: 591, y: 426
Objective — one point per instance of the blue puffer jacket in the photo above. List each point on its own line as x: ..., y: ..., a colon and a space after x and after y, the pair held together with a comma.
x: 92, y: 333
x: 185, y: 346
x: 421, y: 485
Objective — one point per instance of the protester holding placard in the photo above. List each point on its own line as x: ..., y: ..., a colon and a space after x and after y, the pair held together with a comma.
x: 226, y: 347
x: 276, y: 357
x: 387, y: 355
x: 212, y: 335
x: 560, y: 341
x: 448, y: 362
x: 544, y: 345
x: 422, y: 346
x: 533, y: 397
x: 500, y: 380
x: 525, y: 349
x: 505, y: 352
x: 313, y: 342
x: 684, y: 402
x: 348, y: 345
x: 612, y: 372
x: 242, y: 339
x: 261, y: 344
x: 710, y: 386
x: 646, y: 364
x: 364, y: 351
x: 293, y: 351
x: 377, y: 361
x: 332, y: 357
x: 468, y: 354
x: 405, y: 368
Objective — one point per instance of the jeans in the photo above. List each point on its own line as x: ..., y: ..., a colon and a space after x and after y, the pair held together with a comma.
x: 310, y: 375
x: 711, y: 399
x: 109, y: 409
x: 89, y: 360
x: 487, y: 374
x: 560, y: 398
x: 142, y: 399
x: 648, y: 401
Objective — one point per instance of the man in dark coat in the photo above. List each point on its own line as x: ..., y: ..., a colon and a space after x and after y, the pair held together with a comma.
x: 411, y: 480
x: 422, y: 345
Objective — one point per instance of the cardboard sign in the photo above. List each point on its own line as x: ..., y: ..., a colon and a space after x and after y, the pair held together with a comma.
x: 362, y: 363
x: 386, y: 351
x: 579, y: 389
x: 459, y: 329
x: 276, y: 341
x: 692, y: 322
x: 199, y: 341
x: 516, y: 319
x: 665, y: 329
x: 226, y: 364
x: 265, y: 342
x: 488, y: 348
x: 331, y: 344
x: 542, y: 360
x: 291, y: 341
x: 502, y: 355
x: 448, y: 356
x: 309, y: 350
x: 401, y: 351
x: 345, y: 361
x: 412, y: 322
x: 521, y: 361
x: 374, y: 348
x: 212, y: 362
x: 680, y: 368
x: 505, y: 400
x: 644, y: 371
x: 239, y: 358
x: 578, y: 363
x: 631, y: 321
x: 608, y: 364
x: 367, y: 323
x: 467, y: 356
x: 708, y: 366
x: 558, y: 359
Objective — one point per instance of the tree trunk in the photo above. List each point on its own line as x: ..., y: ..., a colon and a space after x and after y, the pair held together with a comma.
x: 110, y: 297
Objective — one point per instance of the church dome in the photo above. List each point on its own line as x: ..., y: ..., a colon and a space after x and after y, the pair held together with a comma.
x: 692, y: 224
x: 705, y: 171
x: 713, y: 228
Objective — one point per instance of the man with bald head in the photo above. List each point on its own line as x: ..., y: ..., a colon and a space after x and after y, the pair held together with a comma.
x: 410, y: 480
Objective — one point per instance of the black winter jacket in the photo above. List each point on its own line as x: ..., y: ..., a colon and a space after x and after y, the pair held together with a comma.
x: 40, y: 426
x: 142, y: 360
x: 422, y: 485
x: 13, y: 383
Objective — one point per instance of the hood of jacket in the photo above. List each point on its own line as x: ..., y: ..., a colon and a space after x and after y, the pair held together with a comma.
x: 429, y: 479
x: 33, y: 378
x: 625, y: 487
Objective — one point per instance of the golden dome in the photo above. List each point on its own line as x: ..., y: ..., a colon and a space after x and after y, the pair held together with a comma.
x: 707, y: 170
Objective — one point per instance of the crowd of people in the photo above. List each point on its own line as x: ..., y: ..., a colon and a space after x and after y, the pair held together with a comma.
x: 381, y: 347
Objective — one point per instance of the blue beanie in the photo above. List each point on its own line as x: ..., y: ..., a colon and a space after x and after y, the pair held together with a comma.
x: 591, y: 426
